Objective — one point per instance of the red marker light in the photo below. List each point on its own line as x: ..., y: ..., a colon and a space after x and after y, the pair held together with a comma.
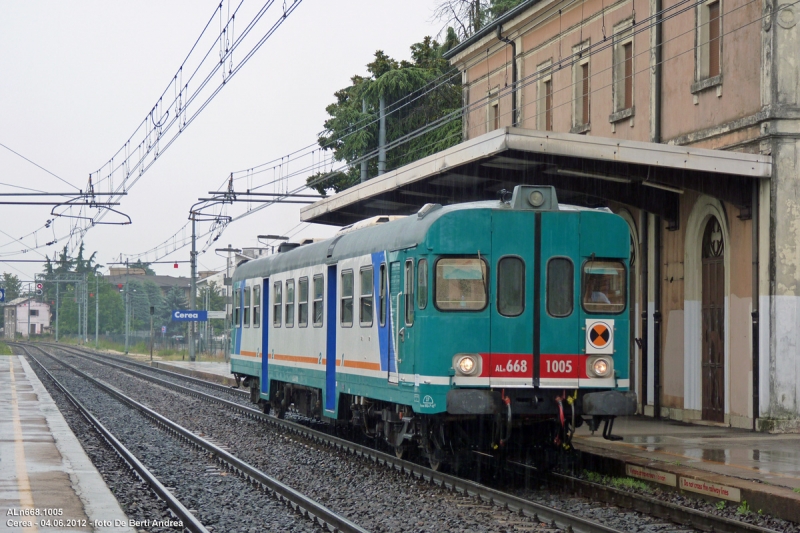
x: 175, y: 266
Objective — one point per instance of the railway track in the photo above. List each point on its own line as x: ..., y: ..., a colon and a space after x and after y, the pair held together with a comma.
x: 677, y: 514
x: 299, y: 502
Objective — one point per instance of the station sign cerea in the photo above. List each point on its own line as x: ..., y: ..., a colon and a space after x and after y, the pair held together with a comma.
x: 189, y: 316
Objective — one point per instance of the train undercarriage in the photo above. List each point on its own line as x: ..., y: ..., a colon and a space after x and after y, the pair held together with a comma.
x: 534, y: 429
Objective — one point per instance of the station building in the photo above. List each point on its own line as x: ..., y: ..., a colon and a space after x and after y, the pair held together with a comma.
x: 25, y: 317
x: 682, y: 117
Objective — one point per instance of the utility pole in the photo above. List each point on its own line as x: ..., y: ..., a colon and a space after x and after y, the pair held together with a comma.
x: 96, y: 307
x: 29, y: 312
x: 382, y: 136
x: 193, y: 289
x: 152, y: 312
x: 127, y: 299
x: 364, y: 162
x: 58, y: 285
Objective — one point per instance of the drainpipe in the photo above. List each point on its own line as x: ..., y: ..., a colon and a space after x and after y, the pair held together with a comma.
x: 645, y: 259
x: 756, y: 377
x: 657, y: 75
x: 513, y: 73
x: 382, y: 136
x: 657, y: 319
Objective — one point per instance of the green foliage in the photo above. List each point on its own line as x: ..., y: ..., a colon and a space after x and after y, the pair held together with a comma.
x: 144, y: 266
x: 13, y: 287
x: 622, y: 483
x: 174, y: 300
x: 424, y: 92
x: 216, y: 302
x: 4, y: 349
x: 720, y: 505
x: 797, y: 489
x: 743, y: 509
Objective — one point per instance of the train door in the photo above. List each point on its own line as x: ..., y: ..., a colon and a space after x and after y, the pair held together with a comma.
x: 394, y: 316
x: 330, y: 341
x: 559, y: 316
x: 511, y: 281
x: 264, y: 306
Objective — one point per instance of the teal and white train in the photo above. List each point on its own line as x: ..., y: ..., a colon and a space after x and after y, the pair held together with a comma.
x: 495, y: 326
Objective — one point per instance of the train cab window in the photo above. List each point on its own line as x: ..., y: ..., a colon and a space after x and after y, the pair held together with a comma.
x: 510, y: 286
x: 560, y: 287
x: 365, y: 304
x: 382, y: 295
x: 302, y: 303
x: 246, y: 313
x: 604, y: 287
x: 257, y: 306
x: 237, y: 297
x: 277, y: 298
x: 422, y: 283
x: 289, y: 316
x: 319, y: 288
x: 409, y: 295
x: 346, y: 312
x: 460, y: 284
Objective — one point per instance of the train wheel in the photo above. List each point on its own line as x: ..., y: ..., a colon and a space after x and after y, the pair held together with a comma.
x: 435, y: 464
x: 401, y: 451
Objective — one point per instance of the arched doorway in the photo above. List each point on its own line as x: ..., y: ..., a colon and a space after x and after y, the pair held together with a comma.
x: 713, y: 322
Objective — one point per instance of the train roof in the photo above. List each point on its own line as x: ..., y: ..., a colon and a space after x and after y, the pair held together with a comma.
x: 398, y: 234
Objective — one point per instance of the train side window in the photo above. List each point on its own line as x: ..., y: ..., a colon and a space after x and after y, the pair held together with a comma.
x: 346, y: 312
x: 257, y: 306
x: 604, y: 287
x: 409, y: 295
x: 289, y: 303
x: 247, y: 307
x: 365, y: 304
x: 319, y: 289
x: 276, y: 304
x: 460, y: 284
x: 302, y: 303
x: 382, y: 295
x: 510, y: 286
x: 560, y: 287
x: 237, y: 298
x: 422, y: 283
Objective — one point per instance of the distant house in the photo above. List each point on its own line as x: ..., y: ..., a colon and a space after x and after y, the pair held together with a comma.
x: 20, y: 320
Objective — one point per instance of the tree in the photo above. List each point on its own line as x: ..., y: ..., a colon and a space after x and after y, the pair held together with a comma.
x: 144, y: 266
x: 216, y: 302
x: 174, y: 301
x: 467, y: 17
x: 13, y: 287
x: 417, y: 93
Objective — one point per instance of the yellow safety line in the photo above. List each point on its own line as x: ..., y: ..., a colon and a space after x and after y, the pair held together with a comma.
x: 24, y: 484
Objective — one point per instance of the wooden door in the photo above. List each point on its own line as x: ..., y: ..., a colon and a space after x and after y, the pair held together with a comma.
x: 713, y: 356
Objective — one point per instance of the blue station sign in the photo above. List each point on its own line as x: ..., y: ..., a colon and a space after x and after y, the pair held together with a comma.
x: 190, y: 316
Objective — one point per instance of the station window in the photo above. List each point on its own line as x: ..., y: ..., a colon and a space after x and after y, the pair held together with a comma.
x: 319, y: 288
x: 604, y: 284
x: 560, y: 286
x: 237, y: 298
x: 422, y: 283
x: 289, y: 303
x: 382, y: 295
x: 257, y: 306
x: 366, y: 303
x: 247, y: 307
x: 510, y: 286
x: 302, y: 302
x: 276, y: 304
x: 460, y: 284
x: 346, y: 312
x: 409, y: 295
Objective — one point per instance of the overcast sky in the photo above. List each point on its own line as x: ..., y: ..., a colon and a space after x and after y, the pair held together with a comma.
x: 79, y: 77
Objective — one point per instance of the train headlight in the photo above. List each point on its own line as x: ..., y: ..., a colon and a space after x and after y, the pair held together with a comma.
x: 467, y: 364
x: 600, y: 367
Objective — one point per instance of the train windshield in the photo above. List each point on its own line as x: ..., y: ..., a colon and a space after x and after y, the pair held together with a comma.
x: 604, y: 286
x: 461, y: 284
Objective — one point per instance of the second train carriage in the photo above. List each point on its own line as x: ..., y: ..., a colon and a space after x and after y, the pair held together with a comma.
x: 491, y: 326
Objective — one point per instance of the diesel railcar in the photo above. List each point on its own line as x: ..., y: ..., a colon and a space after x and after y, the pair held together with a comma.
x: 494, y: 327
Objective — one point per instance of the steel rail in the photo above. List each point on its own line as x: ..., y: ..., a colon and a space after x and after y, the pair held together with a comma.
x: 190, y: 522
x: 178, y: 375
x: 675, y: 513
x: 306, y: 506
x: 528, y: 508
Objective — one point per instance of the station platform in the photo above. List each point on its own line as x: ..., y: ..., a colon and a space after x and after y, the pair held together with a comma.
x: 712, y: 462
x: 218, y: 372
x: 47, y: 482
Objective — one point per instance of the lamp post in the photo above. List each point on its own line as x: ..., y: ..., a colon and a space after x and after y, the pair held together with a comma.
x: 152, y: 312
